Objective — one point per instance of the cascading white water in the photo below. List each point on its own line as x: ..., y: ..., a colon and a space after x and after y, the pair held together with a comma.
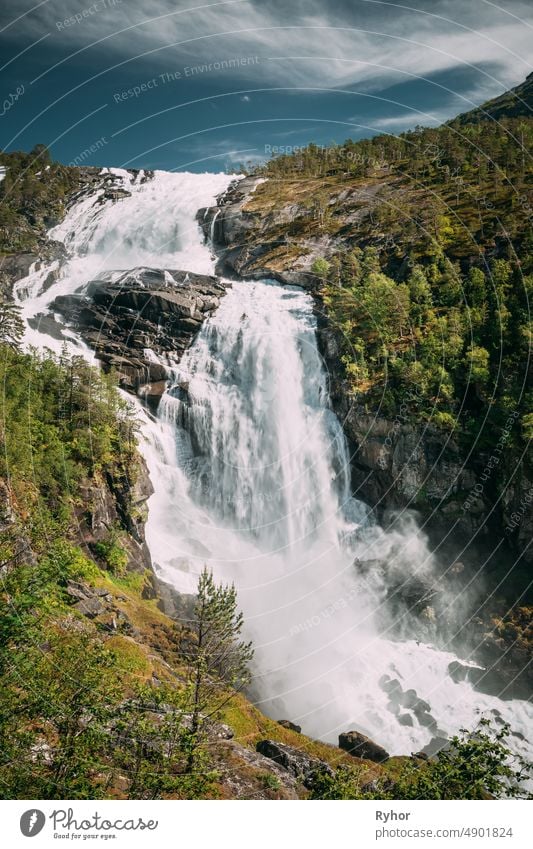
x: 250, y: 471
x: 154, y: 227
x: 256, y: 479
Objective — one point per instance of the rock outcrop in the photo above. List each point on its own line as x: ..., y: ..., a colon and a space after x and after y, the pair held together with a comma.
x: 139, y: 321
x: 244, y: 237
x: 301, y: 765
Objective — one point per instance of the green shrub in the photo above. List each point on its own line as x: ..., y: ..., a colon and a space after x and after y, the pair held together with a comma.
x: 475, y: 765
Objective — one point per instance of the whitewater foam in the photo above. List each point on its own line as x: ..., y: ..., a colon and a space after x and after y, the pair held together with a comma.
x: 251, y: 476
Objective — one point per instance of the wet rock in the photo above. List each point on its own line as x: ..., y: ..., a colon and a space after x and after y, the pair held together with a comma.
x: 115, y: 194
x: 405, y: 719
x: 458, y: 671
x: 490, y: 681
x: 14, y: 267
x: 392, y: 687
x: 425, y: 719
x: 365, y: 567
x: 143, y: 309
x: 411, y: 700
x: 413, y: 593
x: 298, y: 763
x: 435, y: 745
x: 179, y: 606
x: 360, y: 746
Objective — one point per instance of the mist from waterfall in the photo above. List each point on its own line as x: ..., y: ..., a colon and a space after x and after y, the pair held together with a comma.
x: 251, y: 476
x: 254, y: 481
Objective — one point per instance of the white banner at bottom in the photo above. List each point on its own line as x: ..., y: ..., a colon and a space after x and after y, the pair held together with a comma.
x: 264, y: 825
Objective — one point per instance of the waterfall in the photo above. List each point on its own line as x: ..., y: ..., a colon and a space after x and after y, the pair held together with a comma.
x: 253, y: 480
x: 251, y: 475
x: 213, y: 224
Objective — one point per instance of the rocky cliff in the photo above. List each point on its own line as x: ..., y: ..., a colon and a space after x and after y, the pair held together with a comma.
x: 156, y: 310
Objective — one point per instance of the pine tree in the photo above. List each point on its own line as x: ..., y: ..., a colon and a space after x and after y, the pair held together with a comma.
x: 218, y: 657
x: 11, y: 324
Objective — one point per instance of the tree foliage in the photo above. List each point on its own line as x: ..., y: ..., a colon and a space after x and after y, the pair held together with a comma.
x: 430, y: 283
x: 218, y: 658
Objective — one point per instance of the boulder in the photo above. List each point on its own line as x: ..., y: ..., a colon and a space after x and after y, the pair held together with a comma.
x: 392, y: 687
x: 411, y: 700
x: 458, y: 671
x: 78, y: 591
x: 425, y: 719
x: 360, y: 746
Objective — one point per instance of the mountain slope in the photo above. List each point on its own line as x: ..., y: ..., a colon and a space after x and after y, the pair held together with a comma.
x: 512, y: 104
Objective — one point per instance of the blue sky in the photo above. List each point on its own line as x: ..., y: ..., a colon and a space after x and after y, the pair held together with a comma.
x: 203, y: 86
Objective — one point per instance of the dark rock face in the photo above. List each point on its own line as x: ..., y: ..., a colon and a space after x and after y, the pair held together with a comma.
x: 243, y: 237
x: 399, y: 465
x: 435, y: 745
x: 107, y: 505
x: 506, y: 672
x: 409, y: 700
x: 226, y: 223
x: 360, y: 746
x: 14, y: 267
x: 179, y: 606
x: 142, y: 309
x: 459, y: 671
x: 301, y: 765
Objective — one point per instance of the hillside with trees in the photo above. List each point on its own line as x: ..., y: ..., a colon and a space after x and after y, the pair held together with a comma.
x: 33, y: 194
x: 429, y: 286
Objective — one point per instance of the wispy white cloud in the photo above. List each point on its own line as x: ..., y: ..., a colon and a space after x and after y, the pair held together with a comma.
x: 327, y: 44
